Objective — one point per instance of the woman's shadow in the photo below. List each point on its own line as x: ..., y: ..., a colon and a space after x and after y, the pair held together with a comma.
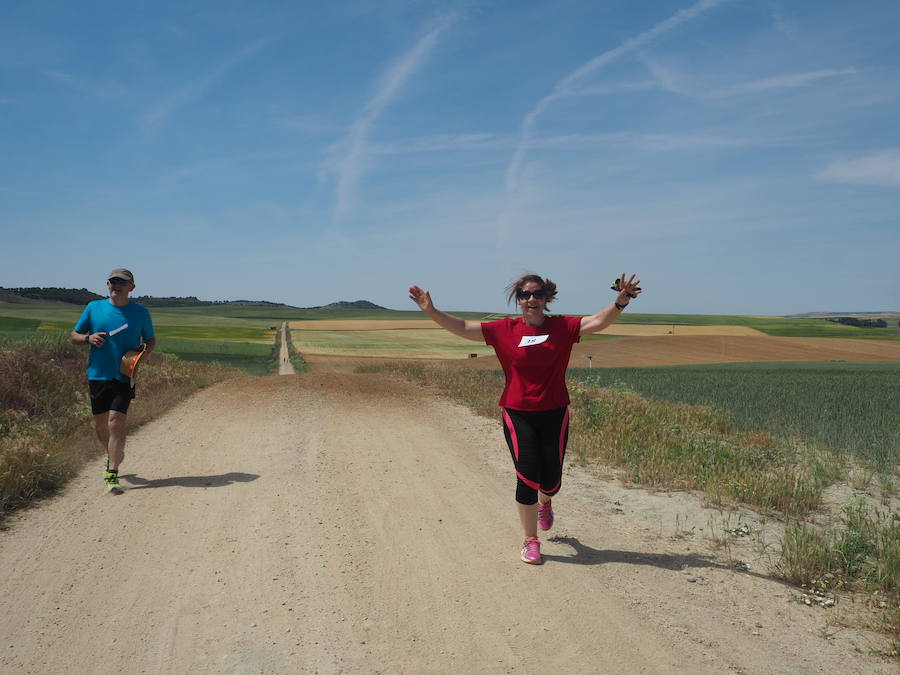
x: 221, y: 480
x: 585, y: 555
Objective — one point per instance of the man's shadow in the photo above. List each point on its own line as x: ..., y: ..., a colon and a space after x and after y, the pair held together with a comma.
x: 585, y: 555
x: 138, y: 483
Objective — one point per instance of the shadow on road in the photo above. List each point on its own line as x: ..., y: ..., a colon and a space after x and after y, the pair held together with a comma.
x: 585, y: 555
x: 220, y: 480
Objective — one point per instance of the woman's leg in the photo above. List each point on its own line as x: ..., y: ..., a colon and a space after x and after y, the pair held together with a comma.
x: 528, y: 516
x: 524, y: 448
x: 554, y: 436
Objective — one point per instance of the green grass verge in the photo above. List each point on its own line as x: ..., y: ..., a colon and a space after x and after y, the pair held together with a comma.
x: 251, y: 357
x: 12, y: 324
x: 846, y: 407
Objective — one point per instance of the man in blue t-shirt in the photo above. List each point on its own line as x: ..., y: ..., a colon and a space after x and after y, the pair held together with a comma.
x: 112, y: 327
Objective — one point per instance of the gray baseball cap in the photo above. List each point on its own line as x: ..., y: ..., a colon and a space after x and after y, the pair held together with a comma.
x: 121, y: 273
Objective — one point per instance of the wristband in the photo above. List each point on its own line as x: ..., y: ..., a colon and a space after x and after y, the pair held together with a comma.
x: 87, y: 339
x: 621, y: 307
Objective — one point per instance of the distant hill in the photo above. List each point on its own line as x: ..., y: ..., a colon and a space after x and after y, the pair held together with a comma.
x: 82, y: 296
x: 191, y: 301
x: 343, y: 304
x: 79, y: 296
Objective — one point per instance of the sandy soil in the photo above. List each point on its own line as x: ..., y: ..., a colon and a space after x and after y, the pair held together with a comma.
x: 332, y: 523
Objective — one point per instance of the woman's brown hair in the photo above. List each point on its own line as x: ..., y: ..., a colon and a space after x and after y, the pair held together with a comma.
x: 515, y: 286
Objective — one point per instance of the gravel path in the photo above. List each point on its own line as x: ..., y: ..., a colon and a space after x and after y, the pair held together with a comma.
x: 333, y: 522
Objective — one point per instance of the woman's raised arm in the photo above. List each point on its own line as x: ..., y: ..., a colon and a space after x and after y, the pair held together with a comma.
x: 470, y: 330
x: 605, y: 317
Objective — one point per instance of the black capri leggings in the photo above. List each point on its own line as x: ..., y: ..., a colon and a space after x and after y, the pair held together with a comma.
x: 537, y: 442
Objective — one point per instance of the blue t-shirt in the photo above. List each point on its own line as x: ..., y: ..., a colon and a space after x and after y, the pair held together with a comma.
x: 125, y: 327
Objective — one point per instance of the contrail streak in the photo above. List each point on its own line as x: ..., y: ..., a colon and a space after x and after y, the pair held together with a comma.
x: 350, y: 168
x: 564, y: 86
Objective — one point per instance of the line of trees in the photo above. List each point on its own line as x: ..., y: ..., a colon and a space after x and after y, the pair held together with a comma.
x: 78, y: 296
x: 861, y: 323
x: 191, y: 301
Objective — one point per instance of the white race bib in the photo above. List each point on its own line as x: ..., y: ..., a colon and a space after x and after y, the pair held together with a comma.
x: 528, y: 340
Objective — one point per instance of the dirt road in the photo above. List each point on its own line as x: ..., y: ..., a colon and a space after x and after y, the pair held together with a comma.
x: 333, y: 522
x: 285, y: 367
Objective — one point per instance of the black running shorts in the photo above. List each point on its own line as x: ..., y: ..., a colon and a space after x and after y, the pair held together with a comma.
x: 109, y: 395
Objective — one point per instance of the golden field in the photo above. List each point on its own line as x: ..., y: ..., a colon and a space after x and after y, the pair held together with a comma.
x: 628, y: 344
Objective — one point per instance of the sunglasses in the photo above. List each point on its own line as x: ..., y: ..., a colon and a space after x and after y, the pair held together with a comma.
x: 117, y: 281
x: 539, y: 294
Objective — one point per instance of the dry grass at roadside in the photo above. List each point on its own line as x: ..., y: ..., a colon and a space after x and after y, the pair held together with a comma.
x: 45, y: 432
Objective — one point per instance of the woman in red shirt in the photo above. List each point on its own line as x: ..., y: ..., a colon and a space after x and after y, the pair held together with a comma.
x: 534, y: 351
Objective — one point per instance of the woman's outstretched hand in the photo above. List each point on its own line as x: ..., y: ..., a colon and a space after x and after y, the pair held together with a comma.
x: 627, y: 289
x: 421, y: 298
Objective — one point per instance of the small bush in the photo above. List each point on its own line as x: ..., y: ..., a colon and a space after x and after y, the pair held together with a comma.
x: 861, y: 553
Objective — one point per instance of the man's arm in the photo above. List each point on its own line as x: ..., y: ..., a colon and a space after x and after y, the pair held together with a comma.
x: 77, y: 338
x: 92, y: 339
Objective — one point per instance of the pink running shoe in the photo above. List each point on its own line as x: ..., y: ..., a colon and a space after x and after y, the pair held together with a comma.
x: 545, y: 516
x: 531, y: 551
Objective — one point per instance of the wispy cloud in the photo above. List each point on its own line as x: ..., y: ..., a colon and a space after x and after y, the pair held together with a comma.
x: 648, y: 142
x: 670, y: 79
x: 194, y: 89
x: 106, y: 91
x: 571, y: 83
x: 350, y: 166
x: 485, y: 142
x: 606, y: 90
x: 879, y: 168
x: 789, y: 81
x: 442, y: 143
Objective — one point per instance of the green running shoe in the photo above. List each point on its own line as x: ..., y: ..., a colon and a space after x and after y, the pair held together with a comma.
x: 112, y: 482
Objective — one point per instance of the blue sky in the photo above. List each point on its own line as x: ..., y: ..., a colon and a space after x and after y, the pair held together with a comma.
x: 742, y: 156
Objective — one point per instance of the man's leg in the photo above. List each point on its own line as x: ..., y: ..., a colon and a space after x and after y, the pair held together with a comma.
x: 101, y: 428
x: 116, y: 436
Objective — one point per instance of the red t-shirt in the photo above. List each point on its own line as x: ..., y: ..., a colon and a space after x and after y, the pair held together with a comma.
x: 534, y: 359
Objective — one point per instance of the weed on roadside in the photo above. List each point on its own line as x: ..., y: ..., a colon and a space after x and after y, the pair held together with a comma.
x: 861, y: 553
